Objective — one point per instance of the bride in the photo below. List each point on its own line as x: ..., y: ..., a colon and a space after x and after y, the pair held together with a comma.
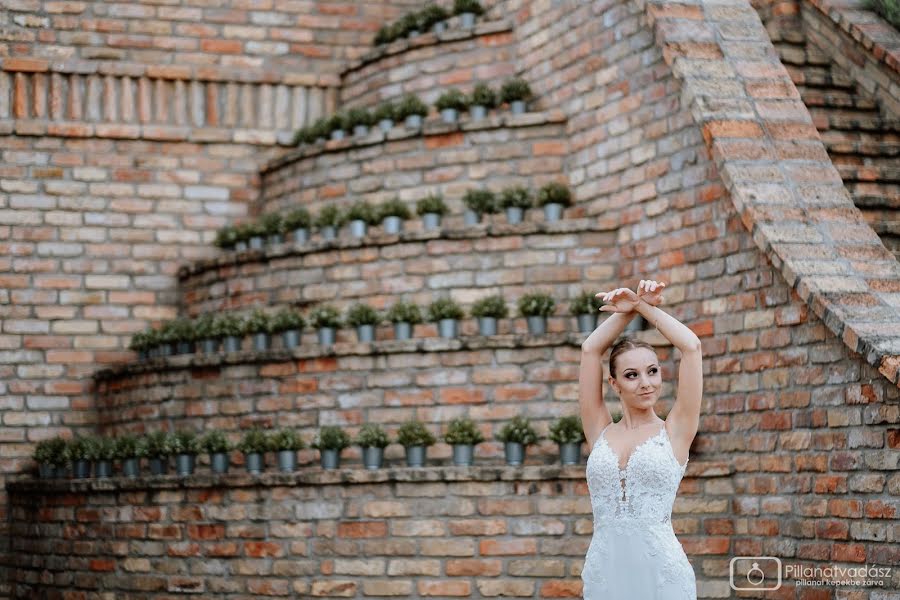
x: 635, y: 465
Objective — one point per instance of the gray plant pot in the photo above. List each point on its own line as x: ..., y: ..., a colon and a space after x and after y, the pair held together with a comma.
x: 413, y: 33
x: 232, y: 343
x: 275, y: 239
x: 219, y: 462
x: 439, y: 27
x: 337, y: 134
x: 358, y: 228
x: 185, y: 347
x: 131, y: 467
x: 360, y: 130
x: 61, y: 472
x: 467, y: 20
x: 514, y: 214
x: 103, y: 468
x: 413, y: 122
x: 487, y: 325
x: 331, y: 459
x: 301, y: 235
x: 261, y: 341
x: 257, y: 242
x: 517, y: 107
x: 415, y: 456
x: 159, y: 465
x: 291, y: 338
x: 392, y: 225
x: 449, y: 115
x: 570, y: 453
x: 321, y: 139
x: 209, y: 346
x: 470, y: 217
x: 373, y: 457
x: 463, y: 454
x: 165, y: 350
x: 184, y: 464
x: 326, y: 336
x: 386, y: 125
x: 587, y: 323
x: 478, y: 112
x: 254, y: 462
x: 448, y: 328
x: 287, y: 461
x: 553, y: 212
x: 46, y: 471
x: 515, y: 453
x: 241, y: 246
x: 403, y: 330
x: 431, y: 220
x: 365, y: 333
x: 81, y: 469
x: 329, y: 232
x: 537, y: 325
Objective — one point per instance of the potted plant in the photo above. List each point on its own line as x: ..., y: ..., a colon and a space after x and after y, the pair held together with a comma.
x: 450, y: 104
x: 140, y: 344
x: 289, y: 323
x: 568, y: 433
x: 463, y: 435
x: 433, y: 17
x: 446, y: 313
x: 415, y: 439
x: 304, y: 136
x: 130, y: 449
x: 159, y: 449
x: 328, y: 221
x: 257, y: 233
x: 298, y: 221
x: 360, y: 215
x: 553, y: 197
x: 392, y: 214
x: 81, y: 451
x: 337, y: 124
x: 386, y: 34
x: 467, y: 11
x: 167, y: 338
x: 515, y: 200
x: 412, y: 110
x: 409, y: 24
x: 185, y: 447
x: 226, y: 238
x: 50, y: 455
x: 478, y: 203
x: 206, y: 333
x: 242, y: 235
x: 181, y: 332
x: 483, y: 99
x: 360, y: 119
x: 384, y: 116
x: 404, y: 315
x: 516, y: 436
x: 258, y: 326
x: 487, y: 310
x: 218, y: 447
x: 364, y: 318
x: 286, y: 443
x: 330, y: 440
x: 272, y: 225
x: 536, y: 307
x: 516, y: 92
x: 321, y: 129
x: 431, y: 208
x: 372, y: 439
x: 104, y: 453
x: 326, y: 319
x: 254, y: 445
x: 231, y: 329
x: 585, y: 306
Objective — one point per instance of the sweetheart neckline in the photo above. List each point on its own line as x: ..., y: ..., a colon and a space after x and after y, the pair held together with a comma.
x: 662, y: 430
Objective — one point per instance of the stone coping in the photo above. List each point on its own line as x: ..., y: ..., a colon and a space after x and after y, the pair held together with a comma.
x: 346, y: 242
x: 433, y: 126
x: 452, y: 34
x: 867, y: 27
x: 151, y: 132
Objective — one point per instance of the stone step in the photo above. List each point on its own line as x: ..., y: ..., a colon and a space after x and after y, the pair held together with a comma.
x: 798, y: 53
x: 818, y: 76
x: 851, y: 119
x: 871, y: 171
x: 875, y: 143
x: 873, y: 195
x: 834, y: 97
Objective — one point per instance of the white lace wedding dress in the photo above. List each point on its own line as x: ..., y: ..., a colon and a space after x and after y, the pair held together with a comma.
x: 634, y: 554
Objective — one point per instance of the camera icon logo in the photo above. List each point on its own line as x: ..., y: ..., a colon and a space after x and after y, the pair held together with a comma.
x: 755, y: 573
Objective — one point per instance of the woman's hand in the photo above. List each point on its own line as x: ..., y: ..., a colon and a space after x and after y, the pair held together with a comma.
x: 620, y: 300
x: 651, y: 291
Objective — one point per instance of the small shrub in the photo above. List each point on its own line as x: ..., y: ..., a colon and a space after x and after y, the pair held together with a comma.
x: 480, y: 201
x: 515, y: 197
x: 362, y: 211
x: 567, y: 430
x: 214, y: 442
x: 519, y: 430
x: 51, y: 451
x: 185, y: 442
x: 329, y: 216
x: 226, y: 237
x: 411, y: 105
x: 430, y: 15
x: 287, y: 439
x: 385, y: 110
x: 129, y: 446
x: 160, y: 444
x: 258, y: 322
x: 554, y: 192
x: 433, y: 203
x: 359, y: 116
x: 337, y: 121
x: 272, y: 224
x: 331, y: 437
x: 298, y: 218
x: 414, y: 433
x: 444, y: 308
x: 467, y: 6
x: 205, y: 327
x: 585, y: 303
x: 514, y: 89
x: 483, y: 95
x: 490, y: 306
x: 255, y: 441
x: 286, y: 320
x: 463, y: 430
x: 362, y: 314
x: 372, y: 435
x: 404, y: 312
x: 536, y: 304
x: 229, y: 326
x: 394, y: 208
x: 325, y: 316
x: 452, y: 98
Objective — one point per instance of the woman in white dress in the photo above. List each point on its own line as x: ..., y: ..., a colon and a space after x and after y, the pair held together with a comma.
x: 635, y: 466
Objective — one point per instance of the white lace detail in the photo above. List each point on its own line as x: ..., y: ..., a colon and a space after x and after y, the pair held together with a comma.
x: 636, y: 503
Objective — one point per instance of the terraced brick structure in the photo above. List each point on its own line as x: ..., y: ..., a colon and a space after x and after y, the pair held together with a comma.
x: 745, y: 154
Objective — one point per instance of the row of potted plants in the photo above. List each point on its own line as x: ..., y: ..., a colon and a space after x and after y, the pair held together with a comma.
x: 411, y: 110
x: 84, y: 452
x: 273, y: 228
x: 430, y: 18
x: 208, y: 333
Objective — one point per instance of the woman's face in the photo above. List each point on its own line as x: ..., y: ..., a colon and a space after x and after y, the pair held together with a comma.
x: 638, y: 378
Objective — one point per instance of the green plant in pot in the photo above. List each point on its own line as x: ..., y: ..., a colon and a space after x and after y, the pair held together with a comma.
x: 359, y: 120
x: 483, y: 99
x: 488, y: 310
x: 554, y: 197
x: 242, y: 234
x: 386, y: 34
x: 298, y: 222
x: 329, y: 441
x: 257, y: 233
x: 433, y: 17
x: 140, y: 343
x: 360, y: 215
x: 327, y: 320
x: 329, y: 220
x: 160, y: 446
x: 585, y: 307
x: 167, y: 337
x: 206, y: 333
x: 415, y: 439
x: 321, y: 129
x: 392, y: 214
x: 364, y: 318
x: 516, y: 92
x: 450, y: 104
x: 409, y: 25
x: 130, y: 449
x: 515, y: 201
x: 254, y: 446
x: 104, y: 456
x: 478, y: 203
x: 516, y: 436
x: 568, y: 433
x: 182, y: 335
x: 411, y: 110
x: 259, y: 327
x: 463, y: 434
x: 286, y: 443
x: 467, y: 11
x: 384, y: 116
x: 446, y: 313
x: 404, y: 316
x: 536, y: 307
x: 82, y: 450
x: 185, y: 447
x: 230, y: 328
x: 226, y: 238
x: 431, y: 208
x: 51, y: 457
x: 289, y: 323
x: 216, y: 444
x: 273, y: 225
x: 338, y: 125
x: 372, y: 439
x: 304, y: 136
